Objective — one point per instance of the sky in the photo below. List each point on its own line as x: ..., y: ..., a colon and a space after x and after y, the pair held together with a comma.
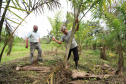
x: 42, y: 20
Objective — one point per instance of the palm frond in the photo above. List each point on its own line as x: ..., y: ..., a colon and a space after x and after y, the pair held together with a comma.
x: 19, y: 9
x: 12, y: 20
x: 9, y: 30
x: 15, y: 14
x: 14, y: 3
x: 39, y: 6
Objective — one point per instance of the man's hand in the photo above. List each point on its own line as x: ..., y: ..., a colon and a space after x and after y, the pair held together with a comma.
x: 26, y: 43
x: 76, y: 21
x: 59, y: 42
x: 53, y: 39
x: 26, y: 46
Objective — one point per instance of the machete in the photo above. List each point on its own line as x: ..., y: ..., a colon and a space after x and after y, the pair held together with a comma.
x: 49, y: 33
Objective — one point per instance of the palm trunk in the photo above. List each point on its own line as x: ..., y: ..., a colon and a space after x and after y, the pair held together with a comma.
x: 3, y: 16
x: 0, y: 6
x: 69, y: 45
x: 72, y: 34
x: 102, y: 52
x: 117, y: 49
x: 121, y: 61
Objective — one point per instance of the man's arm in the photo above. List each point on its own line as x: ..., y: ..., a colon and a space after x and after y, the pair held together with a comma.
x: 26, y: 43
x: 59, y: 42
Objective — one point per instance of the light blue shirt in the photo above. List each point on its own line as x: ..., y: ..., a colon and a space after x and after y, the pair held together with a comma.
x: 66, y: 39
x: 33, y: 36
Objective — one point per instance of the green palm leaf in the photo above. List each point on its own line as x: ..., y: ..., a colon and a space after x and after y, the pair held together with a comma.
x: 18, y: 4
x: 19, y: 9
x: 13, y: 3
x: 15, y: 14
x: 12, y: 20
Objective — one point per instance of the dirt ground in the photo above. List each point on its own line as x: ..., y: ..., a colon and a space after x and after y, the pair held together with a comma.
x: 9, y: 74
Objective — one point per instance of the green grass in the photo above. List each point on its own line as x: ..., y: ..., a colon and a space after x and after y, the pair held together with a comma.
x: 14, y: 55
x: 46, y: 47
x: 19, y: 51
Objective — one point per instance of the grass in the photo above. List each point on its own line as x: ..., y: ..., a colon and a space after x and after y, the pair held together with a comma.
x: 19, y: 51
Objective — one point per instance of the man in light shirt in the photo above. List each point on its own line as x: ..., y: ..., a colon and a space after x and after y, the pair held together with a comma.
x: 34, y: 38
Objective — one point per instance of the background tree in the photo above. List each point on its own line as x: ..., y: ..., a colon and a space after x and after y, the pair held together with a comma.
x: 82, y: 36
x: 56, y: 24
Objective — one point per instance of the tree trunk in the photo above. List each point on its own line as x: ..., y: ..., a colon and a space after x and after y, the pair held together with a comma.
x: 69, y: 45
x: 117, y: 49
x: 3, y: 17
x: 121, y: 61
x: 102, y: 52
x: 72, y: 33
x: 0, y: 6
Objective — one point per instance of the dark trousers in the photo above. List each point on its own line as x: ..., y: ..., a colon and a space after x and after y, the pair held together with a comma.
x: 75, y: 53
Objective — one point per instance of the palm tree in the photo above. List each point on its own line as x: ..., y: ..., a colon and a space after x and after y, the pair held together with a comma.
x: 79, y: 6
x: 26, y: 6
x: 56, y: 24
